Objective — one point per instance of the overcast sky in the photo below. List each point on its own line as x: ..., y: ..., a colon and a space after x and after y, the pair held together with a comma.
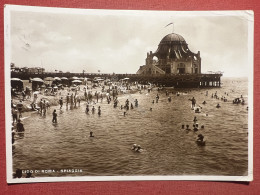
x: 119, y: 43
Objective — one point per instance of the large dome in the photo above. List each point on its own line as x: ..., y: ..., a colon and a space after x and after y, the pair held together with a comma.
x: 173, y: 38
x: 174, y: 46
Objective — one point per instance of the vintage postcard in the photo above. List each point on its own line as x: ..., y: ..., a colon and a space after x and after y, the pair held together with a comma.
x: 97, y: 95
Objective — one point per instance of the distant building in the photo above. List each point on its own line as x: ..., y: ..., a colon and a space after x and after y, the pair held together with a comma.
x: 172, y: 57
x: 36, y: 70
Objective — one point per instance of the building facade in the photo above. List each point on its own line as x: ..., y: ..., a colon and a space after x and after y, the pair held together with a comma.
x: 172, y: 57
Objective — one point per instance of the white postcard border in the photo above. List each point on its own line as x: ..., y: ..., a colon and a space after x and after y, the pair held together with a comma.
x: 247, y: 14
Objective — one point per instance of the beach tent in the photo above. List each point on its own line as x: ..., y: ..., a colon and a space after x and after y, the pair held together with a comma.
x: 64, y: 81
x: 48, y: 80
x: 17, y: 84
x: 36, y: 83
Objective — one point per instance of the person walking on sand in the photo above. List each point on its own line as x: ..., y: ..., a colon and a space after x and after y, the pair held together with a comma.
x: 54, y: 117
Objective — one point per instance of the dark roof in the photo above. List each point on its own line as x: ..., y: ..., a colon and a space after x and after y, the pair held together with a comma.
x: 173, y: 37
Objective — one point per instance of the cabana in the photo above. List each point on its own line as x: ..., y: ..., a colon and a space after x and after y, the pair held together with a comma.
x: 56, y: 81
x: 36, y: 83
x: 48, y: 81
x: 64, y: 81
x: 17, y: 84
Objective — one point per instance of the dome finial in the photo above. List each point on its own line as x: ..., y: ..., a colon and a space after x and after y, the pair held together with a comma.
x: 172, y: 26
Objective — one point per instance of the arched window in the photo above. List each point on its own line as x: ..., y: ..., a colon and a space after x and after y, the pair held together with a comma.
x: 181, y: 68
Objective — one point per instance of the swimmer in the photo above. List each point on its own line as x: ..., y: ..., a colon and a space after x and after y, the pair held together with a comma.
x: 202, y: 126
x: 182, y: 126
x: 169, y: 99
x: 151, y: 109
x: 187, y: 127
x: 138, y: 149
x: 195, y: 129
x: 91, y: 134
x: 132, y: 107
x: 200, y: 138
x: 218, y: 106
x: 134, y: 147
x: 204, y: 102
x: 153, y: 101
x: 195, y: 119
x: 124, y: 113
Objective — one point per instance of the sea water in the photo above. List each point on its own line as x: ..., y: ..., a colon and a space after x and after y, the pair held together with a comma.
x: 167, y: 148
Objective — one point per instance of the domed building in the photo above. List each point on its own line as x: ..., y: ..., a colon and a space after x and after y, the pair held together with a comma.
x: 172, y: 57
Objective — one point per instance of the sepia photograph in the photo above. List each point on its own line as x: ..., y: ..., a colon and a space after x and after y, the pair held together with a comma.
x: 110, y: 95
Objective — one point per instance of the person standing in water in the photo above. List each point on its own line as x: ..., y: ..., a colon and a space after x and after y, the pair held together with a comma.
x: 99, y: 111
x: 54, y: 117
x: 193, y: 102
x: 61, y: 103
x: 93, y: 110
x: 44, y: 107
x: 67, y: 100
x: 87, y: 108
x: 136, y: 102
x: 19, y: 126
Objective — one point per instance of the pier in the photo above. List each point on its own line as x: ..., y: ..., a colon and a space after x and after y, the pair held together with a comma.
x: 168, y: 80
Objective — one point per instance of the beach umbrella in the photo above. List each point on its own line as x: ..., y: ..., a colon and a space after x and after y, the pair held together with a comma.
x: 16, y: 79
x: 74, y: 78
x: 55, y: 87
x: 49, y: 79
x: 36, y: 92
x: 37, y: 80
x: 76, y: 81
x: 125, y: 78
x: 57, y: 79
x: 64, y: 78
